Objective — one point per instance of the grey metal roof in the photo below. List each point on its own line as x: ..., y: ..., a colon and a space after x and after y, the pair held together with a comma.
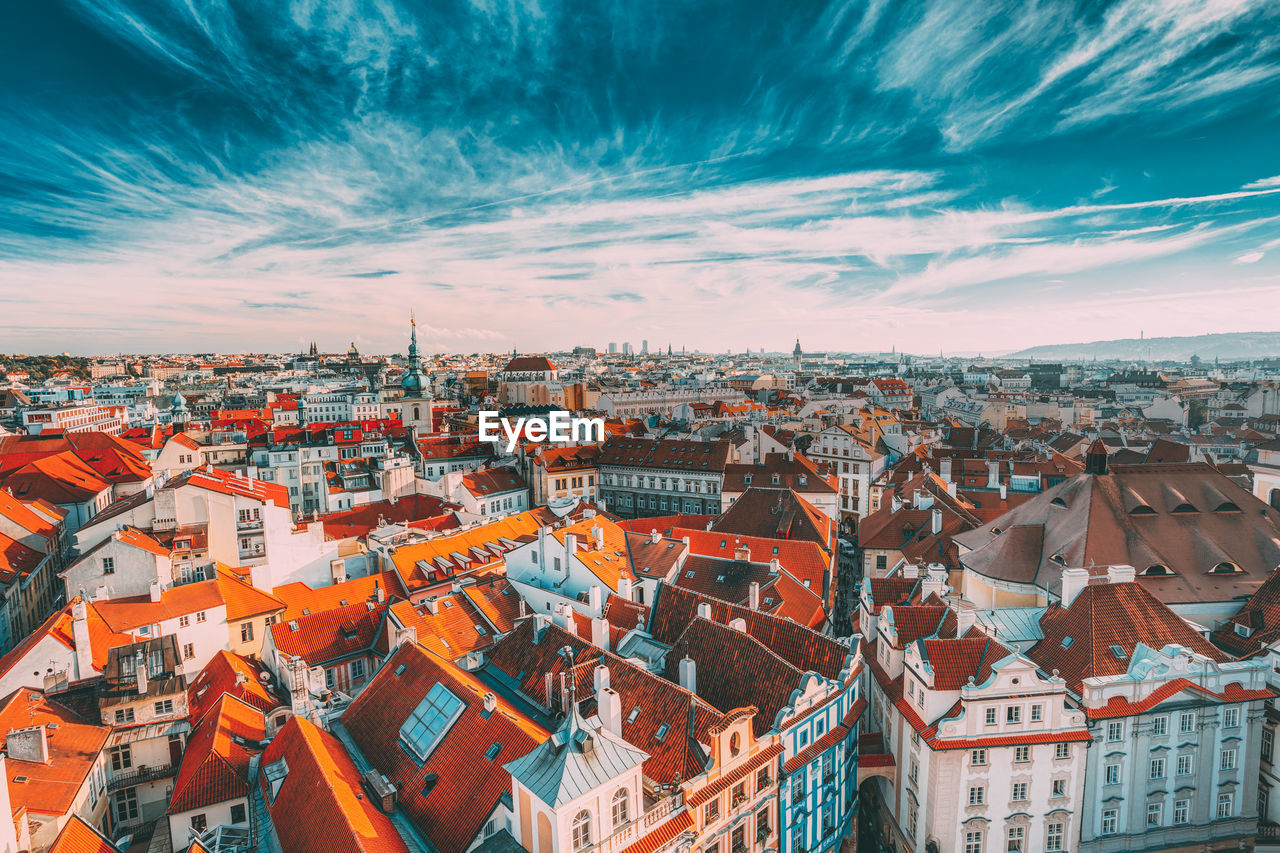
x: 576, y: 759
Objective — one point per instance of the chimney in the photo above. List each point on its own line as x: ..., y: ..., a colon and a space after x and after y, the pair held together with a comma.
x: 597, y: 536
x: 1121, y: 574
x: 600, y: 632
x: 490, y: 703
x: 29, y: 744
x: 80, y: 636
x: 775, y: 566
x: 433, y: 605
x: 564, y: 618
x: 944, y: 468
x: 570, y: 548
x: 156, y: 591
x: 704, y: 610
x: 140, y: 670
x: 993, y: 474
x: 338, y: 570
x: 381, y: 594
x: 753, y: 596
x: 689, y: 674
x: 896, y: 502
x: 965, y: 618
x: 609, y: 709
x: 594, y: 596
x: 951, y: 488
x: 624, y: 588
x: 738, y: 624
x: 935, y: 581
x: 600, y: 678
x: 654, y: 536
x: 936, y: 521
x: 1004, y: 492
x: 911, y: 571
x: 1073, y: 583
x: 742, y: 552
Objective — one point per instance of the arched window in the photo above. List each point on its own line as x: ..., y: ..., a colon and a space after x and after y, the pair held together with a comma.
x: 1157, y: 570
x: 416, y: 416
x: 621, y: 808
x: 582, y: 830
x: 1225, y: 568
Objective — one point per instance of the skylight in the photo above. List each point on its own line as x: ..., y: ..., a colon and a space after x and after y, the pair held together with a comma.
x: 427, y: 725
x: 1119, y: 652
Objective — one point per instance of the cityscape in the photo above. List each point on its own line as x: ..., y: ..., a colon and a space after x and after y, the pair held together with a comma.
x: 461, y: 426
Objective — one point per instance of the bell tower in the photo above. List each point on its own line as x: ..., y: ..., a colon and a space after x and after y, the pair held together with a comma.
x: 415, y: 404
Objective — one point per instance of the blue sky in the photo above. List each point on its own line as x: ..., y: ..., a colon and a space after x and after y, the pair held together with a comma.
x: 228, y: 175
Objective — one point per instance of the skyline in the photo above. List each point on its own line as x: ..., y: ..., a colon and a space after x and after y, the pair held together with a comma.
x: 228, y: 177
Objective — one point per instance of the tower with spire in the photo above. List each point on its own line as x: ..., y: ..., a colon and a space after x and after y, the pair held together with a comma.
x: 797, y: 354
x: 415, y: 387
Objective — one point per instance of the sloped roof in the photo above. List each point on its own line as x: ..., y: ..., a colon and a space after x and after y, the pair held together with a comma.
x: 51, y: 787
x: 61, y: 478
x: 576, y: 759
x: 806, y: 559
x: 79, y: 837
x: 215, y: 763
x: 228, y: 673
x: 775, y: 514
x: 322, y: 796
x: 300, y: 599
x: 331, y: 634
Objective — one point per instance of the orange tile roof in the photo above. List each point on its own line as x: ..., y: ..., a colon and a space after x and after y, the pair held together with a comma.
x: 298, y: 597
x: 50, y: 788
x: 437, y: 553
x: 215, y: 763
x: 16, y: 559
x: 497, y: 600
x: 228, y: 673
x: 242, y: 598
x: 455, y: 629
x: 132, y: 612
x: 79, y: 837
x: 807, y: 560
x: 331, y: 634
x: 609, y: 563
x: 217, y: 480
x: 25, y: 517
x: 61, y: 479
x: 322, y: 796
x: 663, y: 835
x: 141, y: 539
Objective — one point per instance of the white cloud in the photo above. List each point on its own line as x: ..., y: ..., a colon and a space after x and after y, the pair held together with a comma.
x: 1249, y: 258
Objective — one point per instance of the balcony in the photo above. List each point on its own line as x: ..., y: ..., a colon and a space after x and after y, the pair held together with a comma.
x: 246, y: 525
x: 140, y: 775
x: 1268, y: 831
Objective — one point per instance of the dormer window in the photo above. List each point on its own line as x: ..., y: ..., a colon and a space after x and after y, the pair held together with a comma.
x: 1157, y: 570
x: 1184, y: 508
x: 1243, y: 630
x: 1225, y: 568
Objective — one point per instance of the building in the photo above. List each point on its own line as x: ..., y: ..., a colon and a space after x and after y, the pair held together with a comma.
x: 642, y: 477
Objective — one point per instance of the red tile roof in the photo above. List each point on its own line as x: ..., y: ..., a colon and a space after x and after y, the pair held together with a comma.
x: 217, y: 480
x: 775, y: 514
x: 215, y: 763
x: 79, y: 837
x: 300, y: 599
x: 361, y: 520
x: 665, y: 454
x: 230, y: 674
x: 74, y: 746
x: 807, y: 560
x: 322, y: 796
x: 330, y: 635
x: 493, y: 481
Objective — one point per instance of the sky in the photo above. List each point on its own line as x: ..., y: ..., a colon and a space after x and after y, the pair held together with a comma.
x: 939, y: 175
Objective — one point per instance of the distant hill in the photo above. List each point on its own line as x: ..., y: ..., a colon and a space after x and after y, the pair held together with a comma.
x: 1233, y: 345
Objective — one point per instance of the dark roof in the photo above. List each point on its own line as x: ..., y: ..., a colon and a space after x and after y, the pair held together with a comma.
x: 667, y: 454
x: 775, y: 513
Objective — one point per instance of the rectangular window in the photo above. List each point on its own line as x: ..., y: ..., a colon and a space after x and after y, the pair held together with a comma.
x: 246, y: 632
x: 977, y: 795
x: 1230, y: 718
x: 108, y: 565
x: 1226, y: 804
x: 991, y: 716
x: 1115, y: 731
x: 1037, y: 713
x: 1013, y: 714
x: 428, y: 723
x: 164, y: 707
x: 1268, y: 744
x: 1181, y: 811
x: 1155, y: 814
x: 1110, y: 821
x: 1022, y: 754
x: 1019, y: 791
x: 121, y: 758
x: 1054, y: 835
x: 188, y: 651
x: 357, y: 670
x: 973, y: 841
x: 978, y: 757
x: 199, y: 822
x: 184, y: 621
x: 1184, y: 765
x: 1112, y: 775
x: 1187, y: 722
x: 1062, y: 750
x: 1017, y: 834
x: 124, y: 715
x: 1160, y: 726
x: 711, y: 812
x: 200, y: 617
x: 126, y: 802
x: 1157, y: 768
x: 1227, y: 759
x: 238, y: 815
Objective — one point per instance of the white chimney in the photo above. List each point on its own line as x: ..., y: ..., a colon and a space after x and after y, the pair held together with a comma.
x: 156, y: 591
x: 935, y: 582
x: 80, y: 635
x: 490, y: 703
x: 993, y: 473
x: 624, y: 588
x: 29, y: 744
x: 936, y: 521
x: 951, y: 488
x: 566, y: 620
x: 570, y: 547
x: 965, y: 618
x: 1004, y: 492
x: 600, y: 678
x: 753, y: 596
x: 654, y: 536
x: 911, y: 571
x: 1121, y: 574
x: 738, y: 624
x: 600, y: 632
x: 689, y: 674
x: 597, y: 536
x: 140, y: 670
x: 338, y: 570
x: 1073, y: 583
x: 609, y: 709
x: 775, y: 566
x: 594, y: 596
x: 704, y: 610
x: 944, y: 468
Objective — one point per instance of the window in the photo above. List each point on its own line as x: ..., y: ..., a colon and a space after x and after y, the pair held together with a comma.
x: 201, y: 616
x: 1225, y: 803
x: 1062, y: 750
x: 1184, y: 765
x: 109, y: 568
x: 1112, y: 774
x: 164, y: 707
x: 711, y: 811
x: 797, y: 789
x: 1155, y: 814
x: 977, y: 795
x: 1187, y: 722
x: 914, y: 775
x: 1110, y: 821
x: 581, y: 829
x: 1115, y: 731
x: 1022, y: 754
x: 199, y: 822
x: 246, y: 632
x: 357, y: 670
x: 1230, y: 718
x: 991, y: 716
x: 184, y: 621
x: 1037, y: 713
x: 121, y: 758
x: 762, y: 779
x: 1019, y: 791
x: 1157, y: 768
x: 621, y: 808
x: 973, y: 841
x: 188, y: 651
x: 1013, y: 714
x: 1160, y: 726
x: 1054, y: 835
x: 238, y: 814
x: 126, y: 801
x: 1227, y: 759
x: 1059, y: 787
x: 430, y: 720
x: 762, y: 823
x: 1268, y: 744
x: 1181, y: 811
x: 913, y: 820
x: 1016, y: 836
x: 124, y: 715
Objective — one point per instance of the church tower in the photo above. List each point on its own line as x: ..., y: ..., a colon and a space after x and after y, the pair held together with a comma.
x: 415, y: 405
x: 797, y: 355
